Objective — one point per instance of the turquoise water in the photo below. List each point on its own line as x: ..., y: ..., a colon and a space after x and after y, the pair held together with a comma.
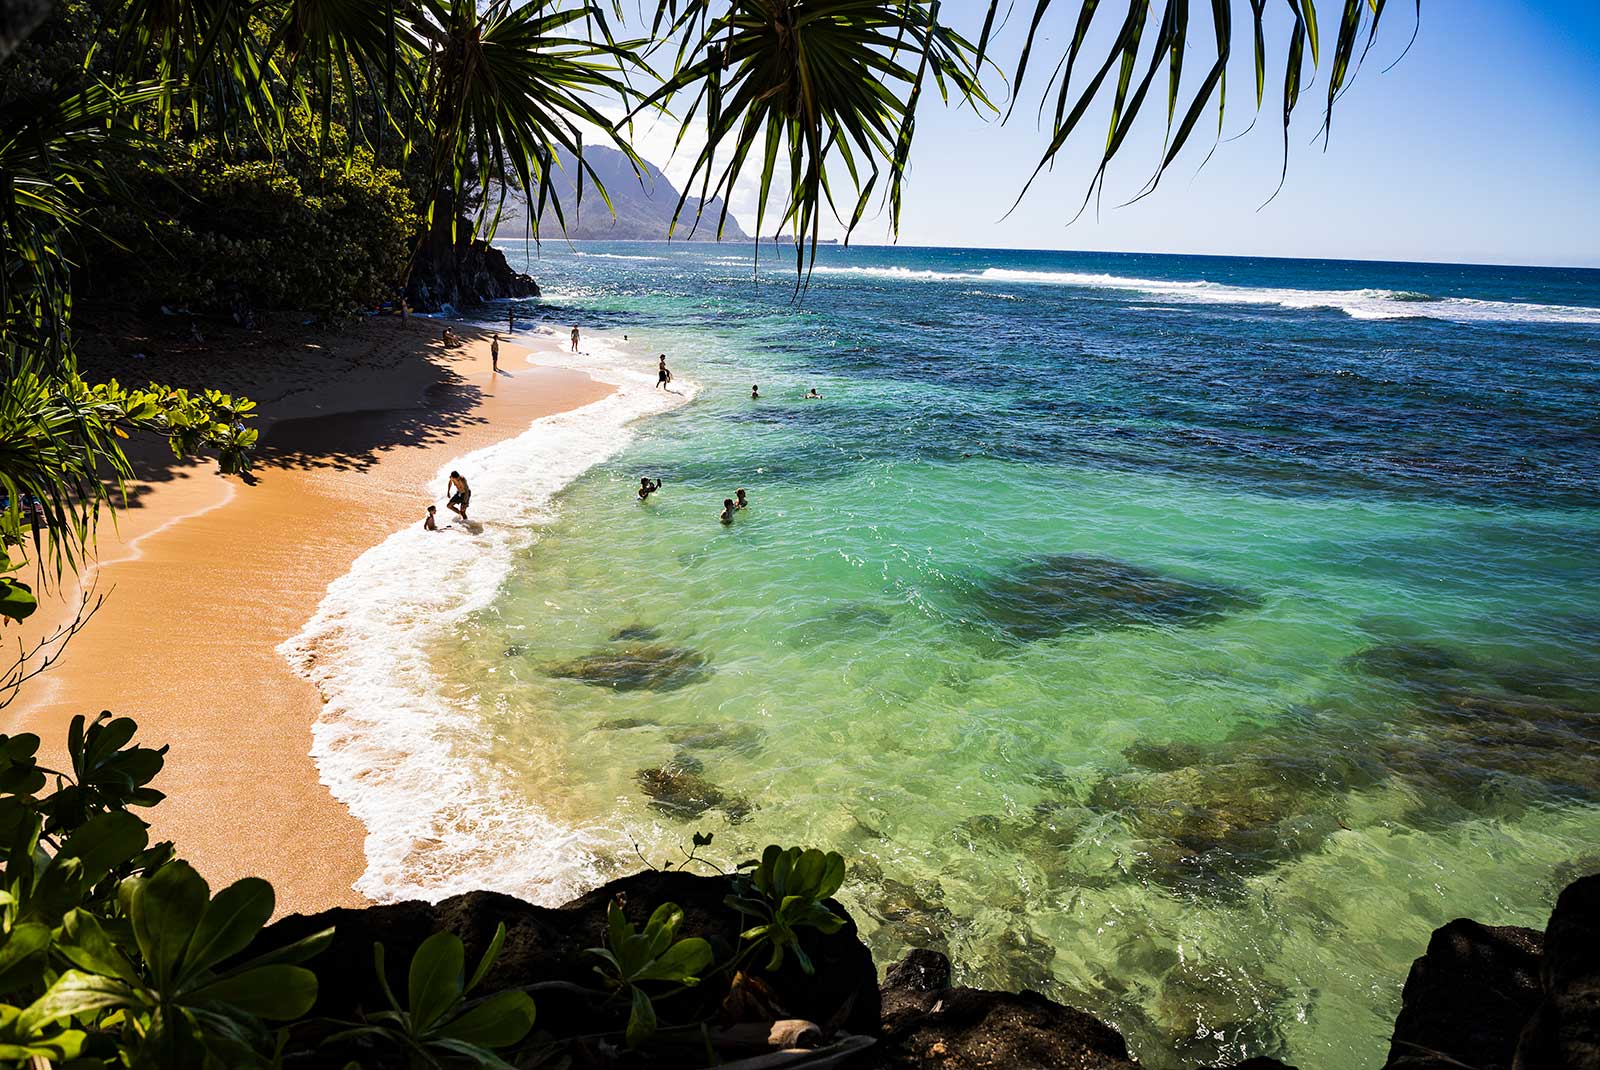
x: 1182, y: 637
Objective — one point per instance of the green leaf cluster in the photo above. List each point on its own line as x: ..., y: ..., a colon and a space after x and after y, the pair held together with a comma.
x: 786, y: 890
x: 438, y: 1024
x: 631, y: 959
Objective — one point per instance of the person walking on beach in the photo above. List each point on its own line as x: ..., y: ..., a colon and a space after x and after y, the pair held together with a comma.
x: 727, y: 511
x: 511, y: 320
x: 428, y: 522
x: 574, y: 339
x: 663, y: 375
x: 647, y: 487
x: 460, y: 495
x: 494, y: 352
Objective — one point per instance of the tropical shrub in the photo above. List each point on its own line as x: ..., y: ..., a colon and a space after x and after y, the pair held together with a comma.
x: 212, y: 231
x: 633, y: 959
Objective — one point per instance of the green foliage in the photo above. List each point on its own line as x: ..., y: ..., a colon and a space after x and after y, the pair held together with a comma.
x: 785, y: 890
x: 438, y: 1024
x: 60, y: 446
x: 110, y: 951
x: 212, y: 228
x: 632, y: 959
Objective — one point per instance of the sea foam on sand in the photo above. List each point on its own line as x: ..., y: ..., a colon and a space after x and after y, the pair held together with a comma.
x: 382, y: 741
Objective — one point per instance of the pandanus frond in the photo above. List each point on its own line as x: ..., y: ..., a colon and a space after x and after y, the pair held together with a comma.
x: 797, y: 89
x: 1167, y: 26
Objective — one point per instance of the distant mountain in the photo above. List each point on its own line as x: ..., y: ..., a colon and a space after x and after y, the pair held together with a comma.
x: 643, y: 210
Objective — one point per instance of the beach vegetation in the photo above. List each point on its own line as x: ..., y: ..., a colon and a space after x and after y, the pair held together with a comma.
x: 631, y: 959
x: 786, y: 891
x: 438, y: 1024
x: 115, y: 952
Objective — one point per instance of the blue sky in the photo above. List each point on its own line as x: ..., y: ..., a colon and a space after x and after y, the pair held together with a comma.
x: 1481, y: 145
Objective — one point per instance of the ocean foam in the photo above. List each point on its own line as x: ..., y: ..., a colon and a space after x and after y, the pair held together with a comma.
x: 1365, y: 304
x: 382, y: 742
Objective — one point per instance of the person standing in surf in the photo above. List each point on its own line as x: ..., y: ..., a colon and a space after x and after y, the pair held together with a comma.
x: 460, y: 495
x: 663, y: 375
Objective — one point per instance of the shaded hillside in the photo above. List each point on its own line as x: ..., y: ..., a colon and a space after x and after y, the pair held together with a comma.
x: 643, y: 209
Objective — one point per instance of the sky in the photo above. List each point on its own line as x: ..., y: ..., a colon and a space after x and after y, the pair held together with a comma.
x: 1482, y: 145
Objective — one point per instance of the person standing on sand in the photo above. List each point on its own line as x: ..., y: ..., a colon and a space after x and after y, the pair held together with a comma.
x: 460, y: 495
x: 494, y: 352
x: 663, y: 375
x: 428, y: 522
x: 511, y: 320
x: 574, y: 339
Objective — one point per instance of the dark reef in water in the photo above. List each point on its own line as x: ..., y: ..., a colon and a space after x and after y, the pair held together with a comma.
x: 680, y: 790
x: 1070, y: 592
x: 636, y: 667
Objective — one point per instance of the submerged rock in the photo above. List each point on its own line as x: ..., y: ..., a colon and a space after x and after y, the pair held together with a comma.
x: 637, y: 667
x: 621, y: 724
x: 740, y: 738
x: 635, y: 633
x: 1070, y: 592
x: 686, y: 793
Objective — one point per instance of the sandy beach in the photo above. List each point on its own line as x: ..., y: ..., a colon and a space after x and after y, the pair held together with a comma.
x: 204, y: 576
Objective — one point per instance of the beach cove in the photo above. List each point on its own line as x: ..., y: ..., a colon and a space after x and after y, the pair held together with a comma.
x: 203, y: 577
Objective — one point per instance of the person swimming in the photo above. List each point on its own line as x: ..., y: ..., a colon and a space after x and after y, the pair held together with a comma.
x: 727, y: 510
x: 460, y: 495
x: 755, y: 392
x: 812, y: 395
x: 429, y: 523
x: 648, y: 486
x: 742, y: 502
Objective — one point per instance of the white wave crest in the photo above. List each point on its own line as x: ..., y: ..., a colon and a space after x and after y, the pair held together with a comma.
x: 383, y: 739
x: 1365, y: 304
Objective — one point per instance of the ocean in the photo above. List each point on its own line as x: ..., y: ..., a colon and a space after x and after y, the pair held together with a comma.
x: 1182, y: 637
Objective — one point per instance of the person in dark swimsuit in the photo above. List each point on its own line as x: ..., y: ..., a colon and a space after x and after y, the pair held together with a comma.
x: 740, y: 501
x: 647, y: 487
x: 460, y: 495
x: 755, y: 393
x: 663, y: 376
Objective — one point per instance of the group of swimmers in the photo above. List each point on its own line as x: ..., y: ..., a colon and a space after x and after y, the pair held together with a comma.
x: 730, y: 506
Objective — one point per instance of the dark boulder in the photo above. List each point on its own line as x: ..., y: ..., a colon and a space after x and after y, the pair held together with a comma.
x: 1466, y: 999
x: 927, y: 1024
x: 1564, y: 1032
x: 471, y: 273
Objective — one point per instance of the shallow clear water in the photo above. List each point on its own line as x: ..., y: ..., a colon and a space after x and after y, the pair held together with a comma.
x: 1182, y: 637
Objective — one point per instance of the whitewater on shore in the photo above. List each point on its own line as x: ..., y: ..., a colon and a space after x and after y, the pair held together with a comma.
x: 436, y: 827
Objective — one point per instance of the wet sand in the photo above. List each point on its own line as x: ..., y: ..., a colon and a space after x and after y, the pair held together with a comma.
x: 205, y: 575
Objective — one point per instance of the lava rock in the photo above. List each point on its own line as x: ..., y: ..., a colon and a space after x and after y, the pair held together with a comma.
x: 1564, y: 1033
x: 1466, y: 999
x: 636, y: 667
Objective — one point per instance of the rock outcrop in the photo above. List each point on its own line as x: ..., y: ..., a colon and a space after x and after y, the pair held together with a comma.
x: 1489, y: 998
x: 1506, y: 998
x: 477, y: 272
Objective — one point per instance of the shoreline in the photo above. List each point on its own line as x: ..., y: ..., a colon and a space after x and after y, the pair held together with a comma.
x: 204, y: 578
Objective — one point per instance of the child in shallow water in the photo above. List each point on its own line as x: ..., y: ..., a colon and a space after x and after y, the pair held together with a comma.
x: 429, y: 523
x: 741, y: 501
x: 727, y: 510
x: 647, y: 487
